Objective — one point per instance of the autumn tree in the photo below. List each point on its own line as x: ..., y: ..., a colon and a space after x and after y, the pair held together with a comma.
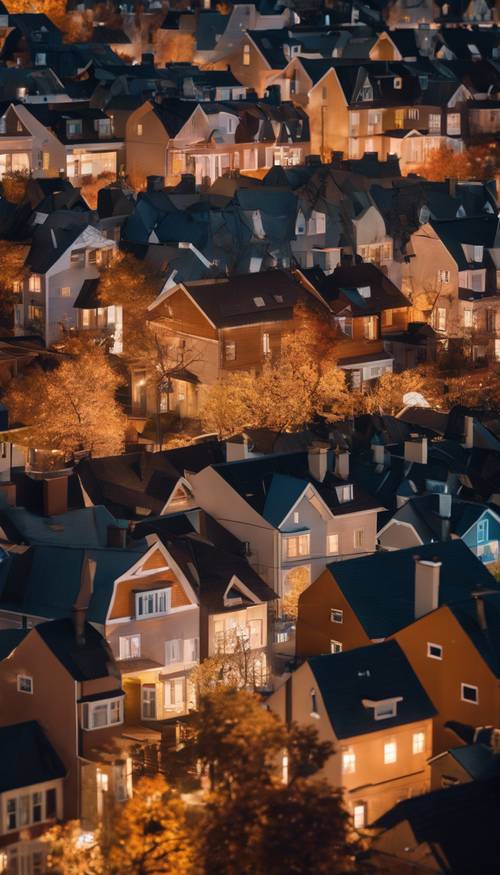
x: 12, y: 258
x: 476, y: 162
x: 72, y: 851
x: 235, y: 665
x: 71, y: 407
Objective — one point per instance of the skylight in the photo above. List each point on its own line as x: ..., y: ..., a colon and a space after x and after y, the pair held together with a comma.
x: 259, y: 301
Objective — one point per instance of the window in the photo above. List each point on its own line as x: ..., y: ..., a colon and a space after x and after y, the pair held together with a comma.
x: 152, y: 603
x: 173, y: 692
x: 359, y: 815
x: 65, y: 292
x: 434, y: 121
x: 399, y: 118
x: 443, y: 276
x: 74, y: 128
x: 230, y: 351
x: 344, y: 493
x: 453, y: 123
x: 266, y: 346
x: 383, y: 710
x: 139, y: 130
x: 413, y: 114
x: 296, y: 516
x: 148, y: 702
x: 333, y: 543
x: 78, y: 257
x: 314, y: 704
x: 469, y: 693
x: 191, y: 649
x: 398, y: 83
x: 97, y: 715
x: 482, y: 531
x: 418, y: 742
x: 336, y: 615
x: 130, y: 646
x: 35, y: 283
x: 29, y: 808
x: 478, y: 253
x: 297, y: 545
x: 348, y: 762
x: 467, y: 318
x: 24, y: 684
x: 335, y: 646
x: 359, y: 536
x: 441, y: 319
x: 35, y: 314
x: 434, y: 651
x: 173, y: 651
x: 476, y: 281
x: 300, y: 224
x: 246, y: 56
x: 390, y: 752
x: 259, y: 301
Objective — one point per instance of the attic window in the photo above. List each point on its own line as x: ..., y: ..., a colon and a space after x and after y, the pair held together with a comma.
x: 232, y: 596
x: 278, y: 299
x: 259, y: 301
x: 364, y: 291
x: 344, y: 493
x: 398, y: 83
x: 383, y: 709
x: 478, y: 253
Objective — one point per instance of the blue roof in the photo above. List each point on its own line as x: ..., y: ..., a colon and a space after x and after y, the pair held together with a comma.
x: 381, y: 588
x: 478, y: 760
x: 374, y: 673
x: 84, y: 527
x: 283, y: 493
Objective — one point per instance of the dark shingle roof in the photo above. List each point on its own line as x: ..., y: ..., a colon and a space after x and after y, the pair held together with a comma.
x: 89, y: 661
x: 373, y: 674
x: 27, y: 757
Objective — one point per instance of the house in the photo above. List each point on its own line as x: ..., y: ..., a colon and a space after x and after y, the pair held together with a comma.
x: 296, y: 511
x: 31, y: 793
x: 28, y: 40
x: 475, y: 760
x: 446, y: 831
x: 371, y: 705
x: 452, y: 272
x: 65, y: 252
x: 62, y: 674
x: 355, y: 602
x: 442, y: 516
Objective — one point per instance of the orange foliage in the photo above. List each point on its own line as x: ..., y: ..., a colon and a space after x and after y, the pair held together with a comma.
x: 477, y: 162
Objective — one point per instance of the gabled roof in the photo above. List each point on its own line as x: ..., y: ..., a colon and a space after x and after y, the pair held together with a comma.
x: 84, y: 527
x: 340, y: 289
x: 84, y: 662
x: 52, y: 239
x: 422, y: 513
x: 478, y: 760
x: 369, y: 674
x: 479, y: 232
x: 484, y: 633
x: 381, y: 588
x: 27, y: 757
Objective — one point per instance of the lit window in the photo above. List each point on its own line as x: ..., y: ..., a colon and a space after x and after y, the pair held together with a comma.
x: 333, y: 543
x: 284, y: 767
x: 434, y: 651
x: 434, y: 121
x: 441, y: 319
x: 230, y: 351
x: 107, y: 712
x: 359, y: 535
x: 27, y: 809
x: 348, y: 762
x: 266, y: 345
x: 139, y: 130
x: 390, y: 752
x: 418, y: 742
x: 298, y: 545
x: 24, y: 683
x: 152, y: 602
x: 65, y: 292
x: 398, y: 82
x: 335, y: 646
x: 469, y: 693
x: 468, y: 318
x: 246, y: 55
x: 296, y: 516
x: 130, y: 646
x: 336, y: 616
x: 35, y: 283
x: 359, y: 815
x: 443, y: 276
x: 413, y: 114
x: 384, y: 710
x: 259, y: 301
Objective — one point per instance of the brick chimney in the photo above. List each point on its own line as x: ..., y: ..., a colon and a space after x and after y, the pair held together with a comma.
x: 82, y: 602
x: 427, y: 574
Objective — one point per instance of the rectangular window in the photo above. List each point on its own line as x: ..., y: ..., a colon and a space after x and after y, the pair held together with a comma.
x: 434, y: 651
x: 359, y: 537
x: 467, y: 318
x: 299, y: 545
x: 173, y: 651
x: 384, y: 710
x: 434, y: 122
x: 130, y: 646
x: 418, y: 742
x: 443, y: 276
x: 476, y: 281
x: 482, y: 531
x: 359, y: 815
x: 230, y: 351
x: 348, y: 762
x: 478, y: 253
x: 78, y: 257
x: 35, y: 314
x: 413, y: 114
x: 336, y: 615
x: 139, y: 130
x: 333, y: 543
x: 108, y: 712
x: 441, y: 319
x: 255, y: 636
x: 246, y: 56
x: 191, y: 650
x: 266, y: 346
x: 469, y: 693
x: 399, y: 118
x: 30, y: 808
x: 390, y: 752
x: 24, y: 684
x: 35, y: 283
x: 152, y: 603
x: 65, y: 292
x: 453, y: 123
x: 335, y: 646
x: 174, y: 694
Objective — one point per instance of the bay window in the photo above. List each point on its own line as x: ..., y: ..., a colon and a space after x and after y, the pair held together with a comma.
x: 106, y: 712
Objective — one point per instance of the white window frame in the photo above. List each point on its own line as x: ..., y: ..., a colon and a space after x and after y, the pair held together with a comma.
x: 443, y: 276
x: 359, y: 815
x: 90, y: 708
x: 470, y: 687
x: 385, y: 710
x: 173, y: 685
x: 174, y: 651
x: 430, y: 645
x: 418, y: 742
x: 336, y: 612
x: 20, y: 679
x: 156, y: 594
x: 15, y: 797
x: 468, y: 318
x: 230, y: 351
x: 122, y: 646
x: 302, y: 545
x: 35, y: 284
x: 266, y: 343
x: 336, y: 646
x: 333, y: 543
x: 390, y: 752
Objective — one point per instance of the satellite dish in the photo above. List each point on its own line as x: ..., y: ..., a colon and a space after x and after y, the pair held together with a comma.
x: 415, y: 399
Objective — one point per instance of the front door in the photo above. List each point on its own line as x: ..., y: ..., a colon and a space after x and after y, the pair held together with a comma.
x: 148, y: 699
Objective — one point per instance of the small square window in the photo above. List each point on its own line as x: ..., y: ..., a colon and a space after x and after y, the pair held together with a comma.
x: 390, y: 752
x: 336, y: 615
x: 65, y: 292
x: 336, y: 646
x: 24, y: 683
x: 418, y: 742
x: 259, y: 301
x: 434, y: 651
x: 469, y: 693
x: 139, y: 130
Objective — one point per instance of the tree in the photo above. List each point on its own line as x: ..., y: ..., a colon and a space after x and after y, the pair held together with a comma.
x: 476, y: 162
x: 12, y: 258
x: 230, y: 403
x: 72, y: 851
x: 235, y: 666
x: 71, y: 407
x: 298, y: 580
x: 152, y: 835
x: 388, y: 393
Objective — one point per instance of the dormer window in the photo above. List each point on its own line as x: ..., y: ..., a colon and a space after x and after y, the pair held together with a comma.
x: 398, y: 83
x: 478, y: 253
x: 152, y: 603
x: 300, y: 224
x: 367, y: 91
x: 74, y: 128
x: 344, y: 493
x: 383, y: 709
x: 364, y: 291
x: 259, y: 301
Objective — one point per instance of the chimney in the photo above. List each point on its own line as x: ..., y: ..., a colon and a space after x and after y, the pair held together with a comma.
x: 444, y: 500
x: 416, y: 449
x: 317, y: 459
x: 468, y: 432
x: 237, y: 448
x: 378, y: 454
x: 342, y: 464
x: 427, y: 574
x: 55, y: 495
x: 155, y: 183
x: 82, y: 602
x: 452, y: 187
x: 116, y: 537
